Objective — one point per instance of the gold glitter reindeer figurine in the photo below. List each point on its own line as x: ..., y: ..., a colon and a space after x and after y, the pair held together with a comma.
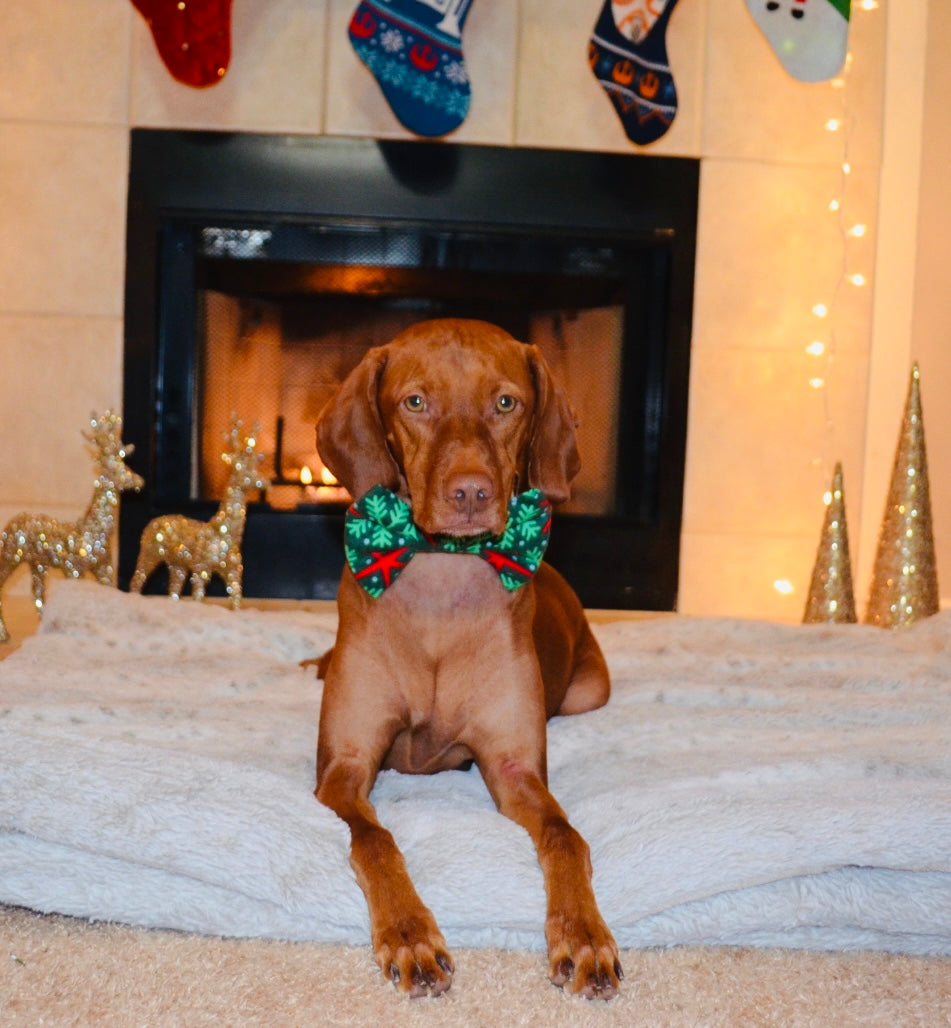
x: 206, y: 548
x: 74, y: 546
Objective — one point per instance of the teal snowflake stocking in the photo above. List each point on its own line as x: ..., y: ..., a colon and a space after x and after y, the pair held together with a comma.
x: 810, y: 37
x: 414, y: 49
x: 628, y: 55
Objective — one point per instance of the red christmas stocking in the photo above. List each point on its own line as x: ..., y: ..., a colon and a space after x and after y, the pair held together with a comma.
x: 193, y: 37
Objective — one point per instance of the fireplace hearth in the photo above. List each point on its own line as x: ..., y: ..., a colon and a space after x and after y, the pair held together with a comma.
x: 261, y: 268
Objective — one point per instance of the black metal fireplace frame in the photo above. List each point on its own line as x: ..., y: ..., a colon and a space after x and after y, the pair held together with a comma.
x: 180, y: 182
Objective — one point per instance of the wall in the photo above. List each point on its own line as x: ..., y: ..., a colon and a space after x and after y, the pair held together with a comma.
x: 76, y: 74
x: 931, y: 325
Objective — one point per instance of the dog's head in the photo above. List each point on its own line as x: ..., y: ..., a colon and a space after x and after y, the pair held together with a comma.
x: 455, y: 416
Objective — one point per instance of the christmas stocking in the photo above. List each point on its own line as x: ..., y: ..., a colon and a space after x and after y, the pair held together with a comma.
x: 414, y: 49
x: 810, y: 37
x: 193, y: 37
x: 628, y: 55
x: 635, y: 18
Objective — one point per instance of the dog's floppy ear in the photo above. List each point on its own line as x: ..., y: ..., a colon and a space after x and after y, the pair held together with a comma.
x: 350, y: 438
x: 553, y: 448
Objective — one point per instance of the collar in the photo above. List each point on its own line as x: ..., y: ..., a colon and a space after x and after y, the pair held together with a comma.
x: 380, y: 539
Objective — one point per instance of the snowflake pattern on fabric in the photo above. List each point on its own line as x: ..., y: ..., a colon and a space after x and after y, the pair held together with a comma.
x: 380, y: 539
x: 414, y: 50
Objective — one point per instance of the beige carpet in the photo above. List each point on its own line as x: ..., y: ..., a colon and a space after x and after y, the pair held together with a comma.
x: 59, y: 971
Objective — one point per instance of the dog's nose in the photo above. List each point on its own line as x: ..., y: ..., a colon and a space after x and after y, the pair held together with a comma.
x: 470, y: 493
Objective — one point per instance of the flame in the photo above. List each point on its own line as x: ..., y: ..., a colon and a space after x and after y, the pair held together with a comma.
x: 327, y: 477
x: 306, y: 475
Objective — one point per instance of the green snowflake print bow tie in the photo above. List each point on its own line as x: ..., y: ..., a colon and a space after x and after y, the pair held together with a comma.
x: 380, y: 539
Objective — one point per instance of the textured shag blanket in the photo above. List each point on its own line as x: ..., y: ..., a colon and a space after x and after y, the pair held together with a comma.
x: 748, y: 783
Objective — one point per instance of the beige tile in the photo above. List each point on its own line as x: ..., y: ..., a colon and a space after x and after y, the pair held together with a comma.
x: 754, y: 109
x: 54, y: 372
x: 762, y: 442
x: 769, y: 249
x: 734, y: 576
x: 560, y: 103
x: 356, y: 106
x: 64, y: 60
x: 62, y: 245
x: 275, y: 81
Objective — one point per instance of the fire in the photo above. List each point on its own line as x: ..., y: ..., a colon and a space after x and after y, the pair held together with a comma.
x: 324, y: 477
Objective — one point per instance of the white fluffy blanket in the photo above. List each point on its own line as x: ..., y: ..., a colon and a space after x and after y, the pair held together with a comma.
x: 748, y: 783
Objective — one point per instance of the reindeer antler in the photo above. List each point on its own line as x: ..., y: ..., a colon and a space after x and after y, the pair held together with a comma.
x: 106, y: 434
x: 240, y: 443
x: 251, y: 442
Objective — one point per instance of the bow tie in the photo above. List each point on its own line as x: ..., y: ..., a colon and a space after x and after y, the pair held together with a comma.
x: 380, y: 539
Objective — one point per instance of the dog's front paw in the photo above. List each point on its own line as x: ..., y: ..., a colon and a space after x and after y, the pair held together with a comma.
x: 414, y: 957
x: 583, y: 957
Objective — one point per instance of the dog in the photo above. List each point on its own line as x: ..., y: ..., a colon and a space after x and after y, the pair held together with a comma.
x: 442, y: 659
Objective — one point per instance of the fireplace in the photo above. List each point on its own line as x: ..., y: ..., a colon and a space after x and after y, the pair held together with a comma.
x: 261, y: 268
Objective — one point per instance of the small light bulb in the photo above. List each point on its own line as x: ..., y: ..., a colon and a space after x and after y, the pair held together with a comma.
x: 817, y: 383
x: 833, y: 124
x: 820, y: 310
x: 857, y: 279
x: 816, y: 349
x: 834, y: 205
x: 857, y: 231
x: 783, y: 586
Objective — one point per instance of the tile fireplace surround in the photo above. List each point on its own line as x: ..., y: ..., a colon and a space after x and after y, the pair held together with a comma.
x: 761, y: 440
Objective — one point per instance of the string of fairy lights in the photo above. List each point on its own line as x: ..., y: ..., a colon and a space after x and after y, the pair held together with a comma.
x: 823, y: 340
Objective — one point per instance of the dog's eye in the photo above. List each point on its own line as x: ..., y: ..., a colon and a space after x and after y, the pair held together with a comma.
x: 505, y: 404
x: 414, y: 403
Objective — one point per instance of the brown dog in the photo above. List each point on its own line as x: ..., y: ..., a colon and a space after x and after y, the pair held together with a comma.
x: 448, y: 665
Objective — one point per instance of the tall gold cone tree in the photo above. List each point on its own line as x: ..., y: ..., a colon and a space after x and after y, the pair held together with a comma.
x: 904, y: 582
x: 831, y: 598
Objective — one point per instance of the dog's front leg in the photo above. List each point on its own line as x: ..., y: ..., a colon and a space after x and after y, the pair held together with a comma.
x: 582, y: 954
x: 407, y: 942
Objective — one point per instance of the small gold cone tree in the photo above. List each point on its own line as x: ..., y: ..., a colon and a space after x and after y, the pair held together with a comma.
x: 831, y: 598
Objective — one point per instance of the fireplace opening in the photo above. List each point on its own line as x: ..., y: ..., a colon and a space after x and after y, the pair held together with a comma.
x: 260, y: 269
x: 277, y: 338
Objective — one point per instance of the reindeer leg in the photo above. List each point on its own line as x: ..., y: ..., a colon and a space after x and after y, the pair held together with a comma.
x: 233, y: 583
x: 176, y: 580
x: 38, y: 584
x: 198, y: 586
x: 143, y: 570
x: 105, y: 574
x: 6, y: 569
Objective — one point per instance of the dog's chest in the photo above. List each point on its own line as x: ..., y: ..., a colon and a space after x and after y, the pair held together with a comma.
x: 450, y: 626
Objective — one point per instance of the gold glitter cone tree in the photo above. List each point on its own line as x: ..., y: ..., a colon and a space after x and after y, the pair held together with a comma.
x: 904, y: 581
x: 831, y: 598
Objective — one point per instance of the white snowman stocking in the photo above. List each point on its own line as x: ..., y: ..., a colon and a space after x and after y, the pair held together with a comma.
x: 810, y: 37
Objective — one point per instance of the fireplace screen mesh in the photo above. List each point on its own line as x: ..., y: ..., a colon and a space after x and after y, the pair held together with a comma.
x: 278, y: 363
